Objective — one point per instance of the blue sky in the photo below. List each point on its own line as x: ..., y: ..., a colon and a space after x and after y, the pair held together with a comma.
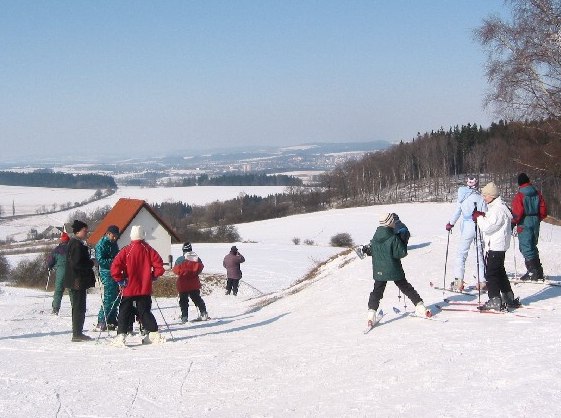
x: 152, y: 77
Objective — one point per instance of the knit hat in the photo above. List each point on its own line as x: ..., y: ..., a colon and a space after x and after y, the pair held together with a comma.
x: 523, y: 179
x: 64, y: 237
x: 137, y: 232
x: 77, y: 226
x: 490, y: 189
x: 472, y: 181
x: 387, y: 219
x: 187, y: 247
x: 114, y: 229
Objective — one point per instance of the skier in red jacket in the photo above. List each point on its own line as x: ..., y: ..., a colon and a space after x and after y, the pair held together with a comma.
x: 134, y: 269
x: 188, y: 267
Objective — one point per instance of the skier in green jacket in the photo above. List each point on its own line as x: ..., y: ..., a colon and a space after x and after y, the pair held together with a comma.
x: 57, y: 260
x: 105, y: 251
x: 388, y: 248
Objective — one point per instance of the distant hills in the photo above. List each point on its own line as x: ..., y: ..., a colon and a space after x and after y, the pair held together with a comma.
x: 310, y: 156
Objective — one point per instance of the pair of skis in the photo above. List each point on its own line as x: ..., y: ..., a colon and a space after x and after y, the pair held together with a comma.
x: 397, y: 311
x: 456, y: 306
x: 545, y: 282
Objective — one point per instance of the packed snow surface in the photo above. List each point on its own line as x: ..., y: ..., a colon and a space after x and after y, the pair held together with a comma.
x: 305, y: 353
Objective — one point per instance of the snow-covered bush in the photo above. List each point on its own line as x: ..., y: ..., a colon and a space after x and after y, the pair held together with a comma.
x: 342, y: 239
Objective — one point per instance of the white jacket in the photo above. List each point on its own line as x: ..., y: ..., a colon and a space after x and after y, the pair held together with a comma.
x: 465, y: 204
x: 495, y: 226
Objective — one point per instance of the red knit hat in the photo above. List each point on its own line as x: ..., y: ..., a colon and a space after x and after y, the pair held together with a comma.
x: 64, y: 237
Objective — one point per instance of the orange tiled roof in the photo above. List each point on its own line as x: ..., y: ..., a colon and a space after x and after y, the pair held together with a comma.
x: 122, y: 215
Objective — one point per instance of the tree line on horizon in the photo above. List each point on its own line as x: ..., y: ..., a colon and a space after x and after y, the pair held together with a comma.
x: 246, y: 179
x: 49, y: 178
x: 428, y: 167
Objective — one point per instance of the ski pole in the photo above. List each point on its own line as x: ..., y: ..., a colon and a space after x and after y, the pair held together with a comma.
x: 164, y: 318
x: 46, y: 287
x: 446, y: 262
x: 514, y: 255
x: 102, y: 287
x: 254, y: 288
x: 477, y: 255
x: 119, y: 297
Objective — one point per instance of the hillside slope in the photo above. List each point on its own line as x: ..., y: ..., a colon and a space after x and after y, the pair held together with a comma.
x: 304, y: 354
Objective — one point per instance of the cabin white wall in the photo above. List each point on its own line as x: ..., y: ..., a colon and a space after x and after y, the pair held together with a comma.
x: 156, y: 234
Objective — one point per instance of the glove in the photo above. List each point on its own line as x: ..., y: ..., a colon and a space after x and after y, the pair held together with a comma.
x: 449, y: 226
x: 366, y: 249
x: 123, y: 283
x: 476, y: 214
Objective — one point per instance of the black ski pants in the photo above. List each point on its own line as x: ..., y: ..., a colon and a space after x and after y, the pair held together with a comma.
x: 195, y: 296
x: 378, y: 293
x: 78, y: 303
x: 232, y: 284
x: 143, y: 308
x: 495, y: 274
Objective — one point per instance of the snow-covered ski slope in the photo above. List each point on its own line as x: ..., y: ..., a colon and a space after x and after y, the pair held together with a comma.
x: 305, y: 354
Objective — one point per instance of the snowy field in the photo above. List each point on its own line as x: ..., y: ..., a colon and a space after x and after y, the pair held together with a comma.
x: 305, y: 354
x: 28, y: 199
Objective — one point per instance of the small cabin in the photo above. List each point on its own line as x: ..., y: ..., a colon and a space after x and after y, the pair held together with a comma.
x: 129, y: 212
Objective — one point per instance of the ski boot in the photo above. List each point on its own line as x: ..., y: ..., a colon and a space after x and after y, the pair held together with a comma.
x: 100, y: 327
x: 422, y: 310
x: 494, y: 304
x: 80, y: 338
x: 371, y: 318
x: 457, y: 285
x: 510, y: 301
x: 154, y: 338
x: 118, y: 341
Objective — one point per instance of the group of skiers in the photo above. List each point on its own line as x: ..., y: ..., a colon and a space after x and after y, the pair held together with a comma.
x: 527, y: 210
x: 488, y: 223
x: 127, y: 275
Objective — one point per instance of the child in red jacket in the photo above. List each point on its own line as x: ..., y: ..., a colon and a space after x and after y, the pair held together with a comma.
x: 188, y: 267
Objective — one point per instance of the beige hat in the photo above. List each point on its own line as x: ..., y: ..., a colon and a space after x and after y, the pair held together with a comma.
x: 490, y: 189
x: 387, y: 219
x: 137, y: 232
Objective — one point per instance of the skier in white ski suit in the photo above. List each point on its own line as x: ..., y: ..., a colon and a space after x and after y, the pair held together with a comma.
x: 468, y: 198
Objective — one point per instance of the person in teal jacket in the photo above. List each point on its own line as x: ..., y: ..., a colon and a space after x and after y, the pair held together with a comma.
x: 105, y: 251
x: 57, y: 261
x: 387, y: 251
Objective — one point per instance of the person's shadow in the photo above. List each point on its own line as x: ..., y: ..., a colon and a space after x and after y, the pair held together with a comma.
x: 543, y: 291
x: 235, y: 329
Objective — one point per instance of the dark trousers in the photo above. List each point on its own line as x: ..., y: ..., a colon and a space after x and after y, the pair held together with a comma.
x: 495, y: 274
x: 78, y: 302
x: 195, y: 296
x: 232, y: 284
x: 143, y: 308
x: 378, y: 293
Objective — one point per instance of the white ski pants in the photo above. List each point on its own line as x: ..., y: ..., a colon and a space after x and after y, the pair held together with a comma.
x: 467, y: 235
